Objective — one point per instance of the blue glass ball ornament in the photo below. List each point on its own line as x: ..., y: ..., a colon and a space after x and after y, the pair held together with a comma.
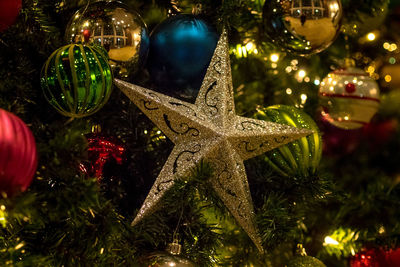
x: 181, y: 48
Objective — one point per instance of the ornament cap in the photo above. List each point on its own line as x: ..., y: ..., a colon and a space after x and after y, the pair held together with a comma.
x: 174, y: 248
x: 197, y: 9
x: 96, y: 129
x: 301, y: 251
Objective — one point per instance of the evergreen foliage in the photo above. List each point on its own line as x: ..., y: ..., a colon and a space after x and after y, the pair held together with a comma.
x: 67, y: 219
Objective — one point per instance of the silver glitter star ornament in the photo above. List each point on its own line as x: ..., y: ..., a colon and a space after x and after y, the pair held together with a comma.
x: 210, y: 130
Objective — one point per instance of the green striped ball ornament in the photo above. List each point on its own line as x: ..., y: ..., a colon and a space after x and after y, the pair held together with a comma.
x: 77, y: 80
x: 300, y: 157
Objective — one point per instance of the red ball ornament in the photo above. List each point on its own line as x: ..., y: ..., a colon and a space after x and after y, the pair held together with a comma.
x: 337, y: 141
x: 380, y: 132
x: 101, y: 149
x: 9, y: 10
x: 18, y: 157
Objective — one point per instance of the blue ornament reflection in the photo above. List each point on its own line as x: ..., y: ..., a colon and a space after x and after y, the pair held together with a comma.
x: 181, y: 48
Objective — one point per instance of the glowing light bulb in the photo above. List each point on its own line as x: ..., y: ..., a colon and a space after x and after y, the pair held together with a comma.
x: 330, y: 241
x: 371, y: 36
x: 249, y: 46
x: 301, y: 73
x: 303, y: 98
x: 274, y: 57
x: 386, y: 45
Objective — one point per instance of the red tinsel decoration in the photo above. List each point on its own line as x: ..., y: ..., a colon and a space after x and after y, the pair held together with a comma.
x: 376, y: 258
x: 100, y: 150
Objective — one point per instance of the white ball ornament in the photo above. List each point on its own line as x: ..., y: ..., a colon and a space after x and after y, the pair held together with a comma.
x: 349, y: 98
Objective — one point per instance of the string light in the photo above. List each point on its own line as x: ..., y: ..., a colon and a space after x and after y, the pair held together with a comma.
x: 390, y: 47
x: 245, y: 50
x: 386, y: 45
x: 303, y: 98
x: 330, y: 241
x: 274, y: 57
x: 301, y: 73
x: 371, y: 36
x: 20, y: 245
x: 3, y: 220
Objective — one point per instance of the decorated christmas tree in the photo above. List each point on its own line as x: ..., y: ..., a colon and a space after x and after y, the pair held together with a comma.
x: 200, y: 133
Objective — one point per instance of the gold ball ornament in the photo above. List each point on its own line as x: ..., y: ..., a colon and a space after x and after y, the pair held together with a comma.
x: 168, y: 258
x: 305, y: 261
x: 163, y: 259
x: 302, y: 27
x: 349, y: 98
x: 111, y: 24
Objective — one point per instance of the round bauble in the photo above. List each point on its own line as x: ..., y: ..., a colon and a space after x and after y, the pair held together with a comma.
x: 349, y: 98
x: 305, y: 261
x: 300, y: 157
x: 18, y: 157
x: 9, y: 10
x: 302, y: 27
x: 181, y: 48
x: 164, y: 259
x: 111, y: 24
x: 77, y: 80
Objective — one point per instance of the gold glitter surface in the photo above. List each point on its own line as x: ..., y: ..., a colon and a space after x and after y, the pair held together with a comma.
x: 210, y: 130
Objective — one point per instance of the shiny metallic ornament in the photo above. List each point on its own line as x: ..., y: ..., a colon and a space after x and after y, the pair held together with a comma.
x: 167, y: 259
x: 77, y: 80
x: 300, y: 157
x: 111, y: 24
x: 18, y: 155
x: 181, y: 48
x: 302, y: 26
x: 163, y: 259
x: 211, y: 130
x: 349, y: 98
x: 305, y: 261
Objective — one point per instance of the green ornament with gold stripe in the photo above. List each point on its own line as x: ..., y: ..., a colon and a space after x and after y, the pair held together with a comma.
x: 300, y: 157
x: 77, y: 80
